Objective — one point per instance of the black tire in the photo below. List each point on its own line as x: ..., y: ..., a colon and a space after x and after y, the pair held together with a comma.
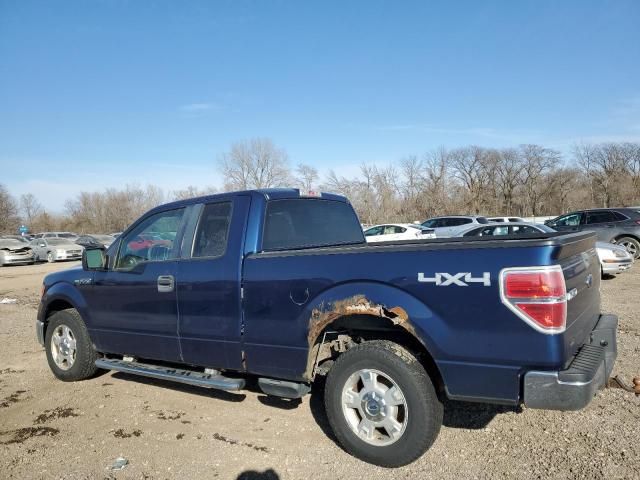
x: 425, y: 411
x: 631, y: 244
x: 50, y: 257
x: 83, y: 365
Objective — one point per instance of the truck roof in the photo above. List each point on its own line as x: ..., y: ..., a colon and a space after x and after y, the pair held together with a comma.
x: 266, y: 193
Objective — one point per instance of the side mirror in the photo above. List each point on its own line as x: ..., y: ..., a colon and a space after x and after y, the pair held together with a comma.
x: 94, y: 259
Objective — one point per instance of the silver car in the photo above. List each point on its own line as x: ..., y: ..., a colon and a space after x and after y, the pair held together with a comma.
x: 614, y: 259
x: 15, y: 252
x: 54, y: 249
x: 453, y: 225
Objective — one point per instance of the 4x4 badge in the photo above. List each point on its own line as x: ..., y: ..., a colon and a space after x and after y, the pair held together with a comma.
x: 462, y: 279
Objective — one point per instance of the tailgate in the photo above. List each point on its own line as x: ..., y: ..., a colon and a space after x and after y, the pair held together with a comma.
x: 581, y: 268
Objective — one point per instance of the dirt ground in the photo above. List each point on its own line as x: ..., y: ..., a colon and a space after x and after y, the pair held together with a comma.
x: 51, y: 429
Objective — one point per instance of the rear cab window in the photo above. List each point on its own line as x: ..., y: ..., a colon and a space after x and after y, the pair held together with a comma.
x: 305, y: 223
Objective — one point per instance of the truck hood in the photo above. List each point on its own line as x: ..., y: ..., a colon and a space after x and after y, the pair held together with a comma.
x: 68, y: 275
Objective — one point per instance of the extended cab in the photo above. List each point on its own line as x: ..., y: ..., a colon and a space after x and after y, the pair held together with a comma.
x: 282, y: 286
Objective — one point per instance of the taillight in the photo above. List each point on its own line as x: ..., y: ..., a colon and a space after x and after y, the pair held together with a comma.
x: 538, y: 295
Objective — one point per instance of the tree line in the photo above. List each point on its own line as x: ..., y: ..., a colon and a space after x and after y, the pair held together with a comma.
x: 529, y: 180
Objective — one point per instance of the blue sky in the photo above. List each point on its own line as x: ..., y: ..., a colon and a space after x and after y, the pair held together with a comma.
x: 95, y: 94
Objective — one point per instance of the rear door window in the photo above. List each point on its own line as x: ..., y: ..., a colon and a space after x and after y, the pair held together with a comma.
x: 600, y: 216
x: 213, y: 230
x: 372, y: 232
x: 306, y: 223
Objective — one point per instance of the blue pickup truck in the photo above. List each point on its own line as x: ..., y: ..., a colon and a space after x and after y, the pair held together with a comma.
x: 280, y: 286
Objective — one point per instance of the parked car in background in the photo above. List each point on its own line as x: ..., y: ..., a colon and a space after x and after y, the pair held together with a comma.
x: 506, y: 228
x: 611, y: 225
x: 397, y: 231
x: 506, y: 219
x: 95, y: 240
x: 68, y: 235
x: 55, y: 249
x: 614, y: 259
x: 15, y: 252
x: 452, y: 225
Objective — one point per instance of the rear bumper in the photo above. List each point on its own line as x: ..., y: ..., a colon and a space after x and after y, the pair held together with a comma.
x: 573, y: 388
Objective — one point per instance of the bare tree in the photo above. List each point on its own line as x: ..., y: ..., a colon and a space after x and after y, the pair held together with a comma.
x: 255, y: 163
x: 537, y: 163
x: 306, y: 176
x: 8, y: 211
x: 509, y: 174
x: 30, y: 207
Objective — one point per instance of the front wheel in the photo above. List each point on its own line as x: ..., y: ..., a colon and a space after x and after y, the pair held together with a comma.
x: 50, y: 257
x: 70, y: 353
x: 382, y: 405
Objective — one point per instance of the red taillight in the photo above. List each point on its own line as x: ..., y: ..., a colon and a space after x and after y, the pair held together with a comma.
x: 537, y: 295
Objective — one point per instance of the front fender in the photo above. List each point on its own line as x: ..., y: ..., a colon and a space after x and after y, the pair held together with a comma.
x: 59, y: 293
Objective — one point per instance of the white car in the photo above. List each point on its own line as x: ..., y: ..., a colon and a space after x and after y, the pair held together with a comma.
x: 389, y: 232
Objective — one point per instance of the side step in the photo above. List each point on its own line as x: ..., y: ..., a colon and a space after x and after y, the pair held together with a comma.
x: 190, y: 377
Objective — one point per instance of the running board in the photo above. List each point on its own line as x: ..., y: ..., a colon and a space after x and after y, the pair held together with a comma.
x: 190, y: 377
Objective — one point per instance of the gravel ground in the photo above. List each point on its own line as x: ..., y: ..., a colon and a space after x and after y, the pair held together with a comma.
x: 51, y: 429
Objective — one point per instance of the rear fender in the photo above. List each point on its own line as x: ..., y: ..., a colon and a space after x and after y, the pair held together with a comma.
x: 367, y: 299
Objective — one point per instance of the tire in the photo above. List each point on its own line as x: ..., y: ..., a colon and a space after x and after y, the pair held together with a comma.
x: 50, y: 257
x: 419, y: 411
x: 80, y: 364
x: 631, y: 244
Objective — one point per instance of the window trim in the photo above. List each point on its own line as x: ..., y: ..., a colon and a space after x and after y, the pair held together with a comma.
x: 197, y: 229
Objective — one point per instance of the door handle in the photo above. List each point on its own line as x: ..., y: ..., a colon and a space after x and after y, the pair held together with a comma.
x: 166, y: 283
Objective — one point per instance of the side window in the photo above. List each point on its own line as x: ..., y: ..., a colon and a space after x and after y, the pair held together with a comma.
x: 572, y: 220
x: 514, y: 219
x: 619, y: 216
x: 400, y: 229
x: 151, y: 241
x: 390, y: 230
x: 456, y: 222
x: 600, y: 217
x: 487, y: 231
x: 522, y: 229
x: 433, y: 223
x: 501, y: 230
x: 213, y: 229
x: 373, y: 232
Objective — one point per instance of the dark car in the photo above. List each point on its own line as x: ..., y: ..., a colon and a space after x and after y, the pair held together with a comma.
x: 95, y: 240
x: 614, y: 225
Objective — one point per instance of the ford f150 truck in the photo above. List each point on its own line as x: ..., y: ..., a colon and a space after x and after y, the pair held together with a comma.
x: 281, y: 286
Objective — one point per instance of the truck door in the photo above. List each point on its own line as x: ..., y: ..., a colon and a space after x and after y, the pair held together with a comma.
x: 208, y: 279
x: 133, y: 305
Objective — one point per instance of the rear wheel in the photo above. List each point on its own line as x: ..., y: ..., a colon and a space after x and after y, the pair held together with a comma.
x: 70, y: 353
x: 631, y: 244
x: 382, y: 405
